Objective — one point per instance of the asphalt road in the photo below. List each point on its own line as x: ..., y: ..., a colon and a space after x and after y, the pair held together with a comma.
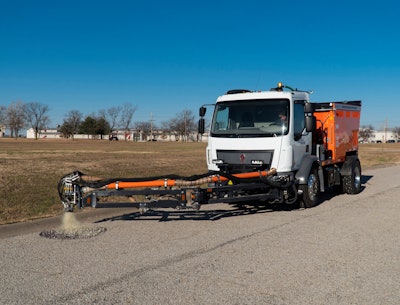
x: 344, y: 251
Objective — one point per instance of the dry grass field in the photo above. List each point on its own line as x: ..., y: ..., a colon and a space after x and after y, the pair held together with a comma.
x: 31, y: 169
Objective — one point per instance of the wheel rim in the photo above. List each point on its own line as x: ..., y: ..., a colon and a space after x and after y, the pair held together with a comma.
x: 312, y: 187
x: 357, y: 178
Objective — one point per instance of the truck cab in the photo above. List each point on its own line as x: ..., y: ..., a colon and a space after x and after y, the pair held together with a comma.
x: 259, y: 130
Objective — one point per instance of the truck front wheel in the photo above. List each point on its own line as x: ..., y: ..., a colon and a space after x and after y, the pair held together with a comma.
x: 310, y: 190
x: 352, y: 182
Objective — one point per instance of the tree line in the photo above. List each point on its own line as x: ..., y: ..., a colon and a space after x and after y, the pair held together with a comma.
x: 18, y: 116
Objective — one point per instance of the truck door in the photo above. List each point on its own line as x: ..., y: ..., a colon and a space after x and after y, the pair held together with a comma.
x: 301, y: 139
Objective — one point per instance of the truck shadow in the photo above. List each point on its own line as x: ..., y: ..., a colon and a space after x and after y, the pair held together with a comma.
x: 365, y: 179
x: 211, y: 215
x: 164, y: 215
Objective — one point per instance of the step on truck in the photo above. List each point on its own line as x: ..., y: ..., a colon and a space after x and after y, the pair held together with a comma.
x: 264, y: 147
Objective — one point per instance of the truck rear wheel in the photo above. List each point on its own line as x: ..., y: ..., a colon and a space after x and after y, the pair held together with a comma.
x: 310, y: 190
x: 352, y: 182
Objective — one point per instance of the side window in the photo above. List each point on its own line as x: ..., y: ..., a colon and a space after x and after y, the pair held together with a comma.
x: 298, y: 125
x: 221, y: 121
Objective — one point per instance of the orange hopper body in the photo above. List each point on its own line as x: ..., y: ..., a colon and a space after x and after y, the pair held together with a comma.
x: 338, y: 124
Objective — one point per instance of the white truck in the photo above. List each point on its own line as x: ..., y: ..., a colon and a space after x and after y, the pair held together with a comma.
x: 269, y: 147
x: 310, y: 145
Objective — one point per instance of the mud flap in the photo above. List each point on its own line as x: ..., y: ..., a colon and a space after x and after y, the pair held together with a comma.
x: 306, y: 164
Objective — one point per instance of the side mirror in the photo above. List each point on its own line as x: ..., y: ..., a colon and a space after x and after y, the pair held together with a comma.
x: 308, y: 108
x: 201, y: 125
x: 202, y: 111
x: 311, y: 123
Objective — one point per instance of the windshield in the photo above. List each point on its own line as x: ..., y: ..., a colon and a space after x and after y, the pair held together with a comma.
x: 251, y: 118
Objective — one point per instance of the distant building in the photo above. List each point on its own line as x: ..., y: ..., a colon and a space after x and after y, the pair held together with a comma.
x: 132, y: 135
x: 384, y: 136
x: 43, y: 134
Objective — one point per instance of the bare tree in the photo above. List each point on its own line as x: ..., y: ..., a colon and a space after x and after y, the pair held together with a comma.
x: 15, y: 117
x: 366, y: 132
x: 183, y: 124
x: 71, y: 124
x: 113, y: 114
x: 126, y: 117
x: 2, y: 114
x: 2, y: 119
x: 36, y: 116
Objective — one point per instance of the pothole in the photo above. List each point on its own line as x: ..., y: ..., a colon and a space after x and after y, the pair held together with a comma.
x: 71, y: 228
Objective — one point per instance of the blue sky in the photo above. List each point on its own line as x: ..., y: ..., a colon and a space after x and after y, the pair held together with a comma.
x: 165, y: 57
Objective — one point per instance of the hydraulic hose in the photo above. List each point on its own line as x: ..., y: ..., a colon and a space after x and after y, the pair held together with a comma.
x: 166, y: 182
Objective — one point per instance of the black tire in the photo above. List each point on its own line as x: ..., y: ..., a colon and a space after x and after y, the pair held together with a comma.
x: 311, y: 190
x: 352, y: 182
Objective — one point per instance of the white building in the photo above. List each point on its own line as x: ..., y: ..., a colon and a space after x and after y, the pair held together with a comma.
x: 383, y: 136
x: 43, y: 134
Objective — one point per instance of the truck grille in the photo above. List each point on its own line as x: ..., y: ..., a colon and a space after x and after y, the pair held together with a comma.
x: 245, y: 160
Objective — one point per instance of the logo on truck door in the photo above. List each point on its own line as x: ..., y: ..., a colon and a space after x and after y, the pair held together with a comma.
x: 242, y: 157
